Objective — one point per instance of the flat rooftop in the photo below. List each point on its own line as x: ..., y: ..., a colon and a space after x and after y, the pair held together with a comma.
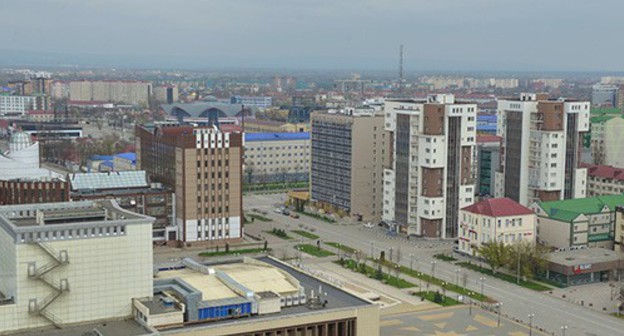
x: 336, y: 298
x: 592, y: 255
x: 24, y: 218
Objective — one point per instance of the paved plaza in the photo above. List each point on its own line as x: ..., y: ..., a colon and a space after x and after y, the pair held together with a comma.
x: 452, y: 321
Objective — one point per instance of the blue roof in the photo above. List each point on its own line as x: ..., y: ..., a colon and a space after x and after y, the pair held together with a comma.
x: 127, y: 156
x: 107, y: 164
x: 277, y: 136
x: 101, y: 158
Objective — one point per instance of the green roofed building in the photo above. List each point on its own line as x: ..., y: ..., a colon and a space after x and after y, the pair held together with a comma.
x: 581, y: 222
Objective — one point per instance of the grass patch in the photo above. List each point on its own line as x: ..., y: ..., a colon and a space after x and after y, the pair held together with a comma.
x: 230, y: 252
x: 260, y: 218
x: 318, y: 216
x: 341, y: 247
x: 375, y: 273
x: 438, y: 298
x: 444, y: 257
x: 274, y: 186
x: 279, y: 233
x: 305, y: 234
x: 441, y: 283
x: 314, y: 251
x: 505, y: 277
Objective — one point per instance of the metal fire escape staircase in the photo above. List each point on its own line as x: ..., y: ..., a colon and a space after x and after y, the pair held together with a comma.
x: 59, y: 287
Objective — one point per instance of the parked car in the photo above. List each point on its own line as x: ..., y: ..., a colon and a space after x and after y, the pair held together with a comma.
x: 294, y: 215
x: 369, y: 225
x: 285, y: 212
x: 277, y: 210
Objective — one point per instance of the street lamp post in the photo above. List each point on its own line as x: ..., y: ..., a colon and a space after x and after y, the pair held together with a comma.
x: 457, y: 270
x: 531, y: 316
x: 482, y: 279
x: 372, y: 244
x: 563, y: 330
x: 433, y: 264
x: 411, y: 262
x: 470, y: 294
x: 498, y: 307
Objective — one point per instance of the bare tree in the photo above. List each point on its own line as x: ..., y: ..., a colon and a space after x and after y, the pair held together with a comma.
x: 399, y: 255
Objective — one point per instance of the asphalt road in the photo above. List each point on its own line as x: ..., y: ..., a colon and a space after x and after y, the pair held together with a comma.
x: 549, y: 313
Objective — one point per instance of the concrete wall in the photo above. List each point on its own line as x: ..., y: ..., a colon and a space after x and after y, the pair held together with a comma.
x: 104, y: 274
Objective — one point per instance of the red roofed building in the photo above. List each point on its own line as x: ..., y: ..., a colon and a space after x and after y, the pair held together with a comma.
x: 604, y: 180
x: 495, y: 219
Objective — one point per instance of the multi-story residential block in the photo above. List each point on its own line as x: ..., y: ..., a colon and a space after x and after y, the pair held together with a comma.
x: 431, y: 171
x: 347, y: 161
x: 277, y: 157
x: 114, y: 91
x: 166, y: 94
x: 260, y: 102
x: 71, y: 263
x: 583, y: 222
x: 607, y: 147
x: 16, y: 105
x: 541, y: 148
x: 204, y: 167
x: 604, y: 180
x: 495, y: 220
x: 604, y: 95
x: 133, y: 192
x: 488, y: 159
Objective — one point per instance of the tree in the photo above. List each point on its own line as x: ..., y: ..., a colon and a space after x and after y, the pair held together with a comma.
x: 399, y: 255
x: 495, y: 254
x: 530, y: 258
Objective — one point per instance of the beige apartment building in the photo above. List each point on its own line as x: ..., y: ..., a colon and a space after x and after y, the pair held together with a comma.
x: 432, y: 168
x: 113, y: 91
x: 495, y: 220
x: 204, y: 167
x: 604, y: 180
x: 607, y: 146
x: 348, y: 156
x: 277, y: 157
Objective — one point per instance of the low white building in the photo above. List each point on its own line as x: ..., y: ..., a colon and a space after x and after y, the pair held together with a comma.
x: 16, y: 105
x: 495, y: 219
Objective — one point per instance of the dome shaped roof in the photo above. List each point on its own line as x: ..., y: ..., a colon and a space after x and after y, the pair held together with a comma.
x: 19, y: 140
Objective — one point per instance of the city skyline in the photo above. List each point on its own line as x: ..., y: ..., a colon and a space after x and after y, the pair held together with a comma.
x: 449, y: 35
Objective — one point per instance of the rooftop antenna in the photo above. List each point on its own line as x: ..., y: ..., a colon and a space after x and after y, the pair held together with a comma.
x: 401, y: 65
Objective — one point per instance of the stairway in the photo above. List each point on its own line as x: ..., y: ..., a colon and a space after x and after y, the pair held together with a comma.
x: 59, y: 287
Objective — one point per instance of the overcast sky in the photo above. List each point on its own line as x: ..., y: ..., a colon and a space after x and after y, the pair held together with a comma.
x: 530, y: 35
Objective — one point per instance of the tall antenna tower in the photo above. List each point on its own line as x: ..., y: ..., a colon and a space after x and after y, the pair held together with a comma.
x: 401, y: 64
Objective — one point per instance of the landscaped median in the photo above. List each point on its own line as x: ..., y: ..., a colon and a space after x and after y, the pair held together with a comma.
x: 259, y: 217
x: 234, y: 252
x: 437, y: 298
x: 438, y: 282
x: 505, y: 277
x: 314, y: 250
x: 317, y: 216
x: 341, y: 247
x: 279, y: 233
x: 305, y: 234
x: 394, y: 281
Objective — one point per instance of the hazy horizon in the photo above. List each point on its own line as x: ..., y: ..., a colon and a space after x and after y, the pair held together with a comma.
x: 443, y: 35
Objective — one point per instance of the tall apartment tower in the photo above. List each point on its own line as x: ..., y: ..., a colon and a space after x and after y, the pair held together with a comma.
x: 347, y: 160
x: 204, y: 167
x: 541, y: 148
x: 431, y: 170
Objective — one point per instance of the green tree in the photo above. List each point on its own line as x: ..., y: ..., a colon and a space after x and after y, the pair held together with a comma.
x: 531, y: 259
x: 495, y: 254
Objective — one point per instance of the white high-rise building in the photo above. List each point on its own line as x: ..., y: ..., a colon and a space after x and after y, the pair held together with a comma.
x: 541, y: 149
x: 431, y: 174
x: 16, y: 105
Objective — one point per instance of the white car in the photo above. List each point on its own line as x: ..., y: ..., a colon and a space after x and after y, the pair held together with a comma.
x: 277, y: 210
x: 369, y: 225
